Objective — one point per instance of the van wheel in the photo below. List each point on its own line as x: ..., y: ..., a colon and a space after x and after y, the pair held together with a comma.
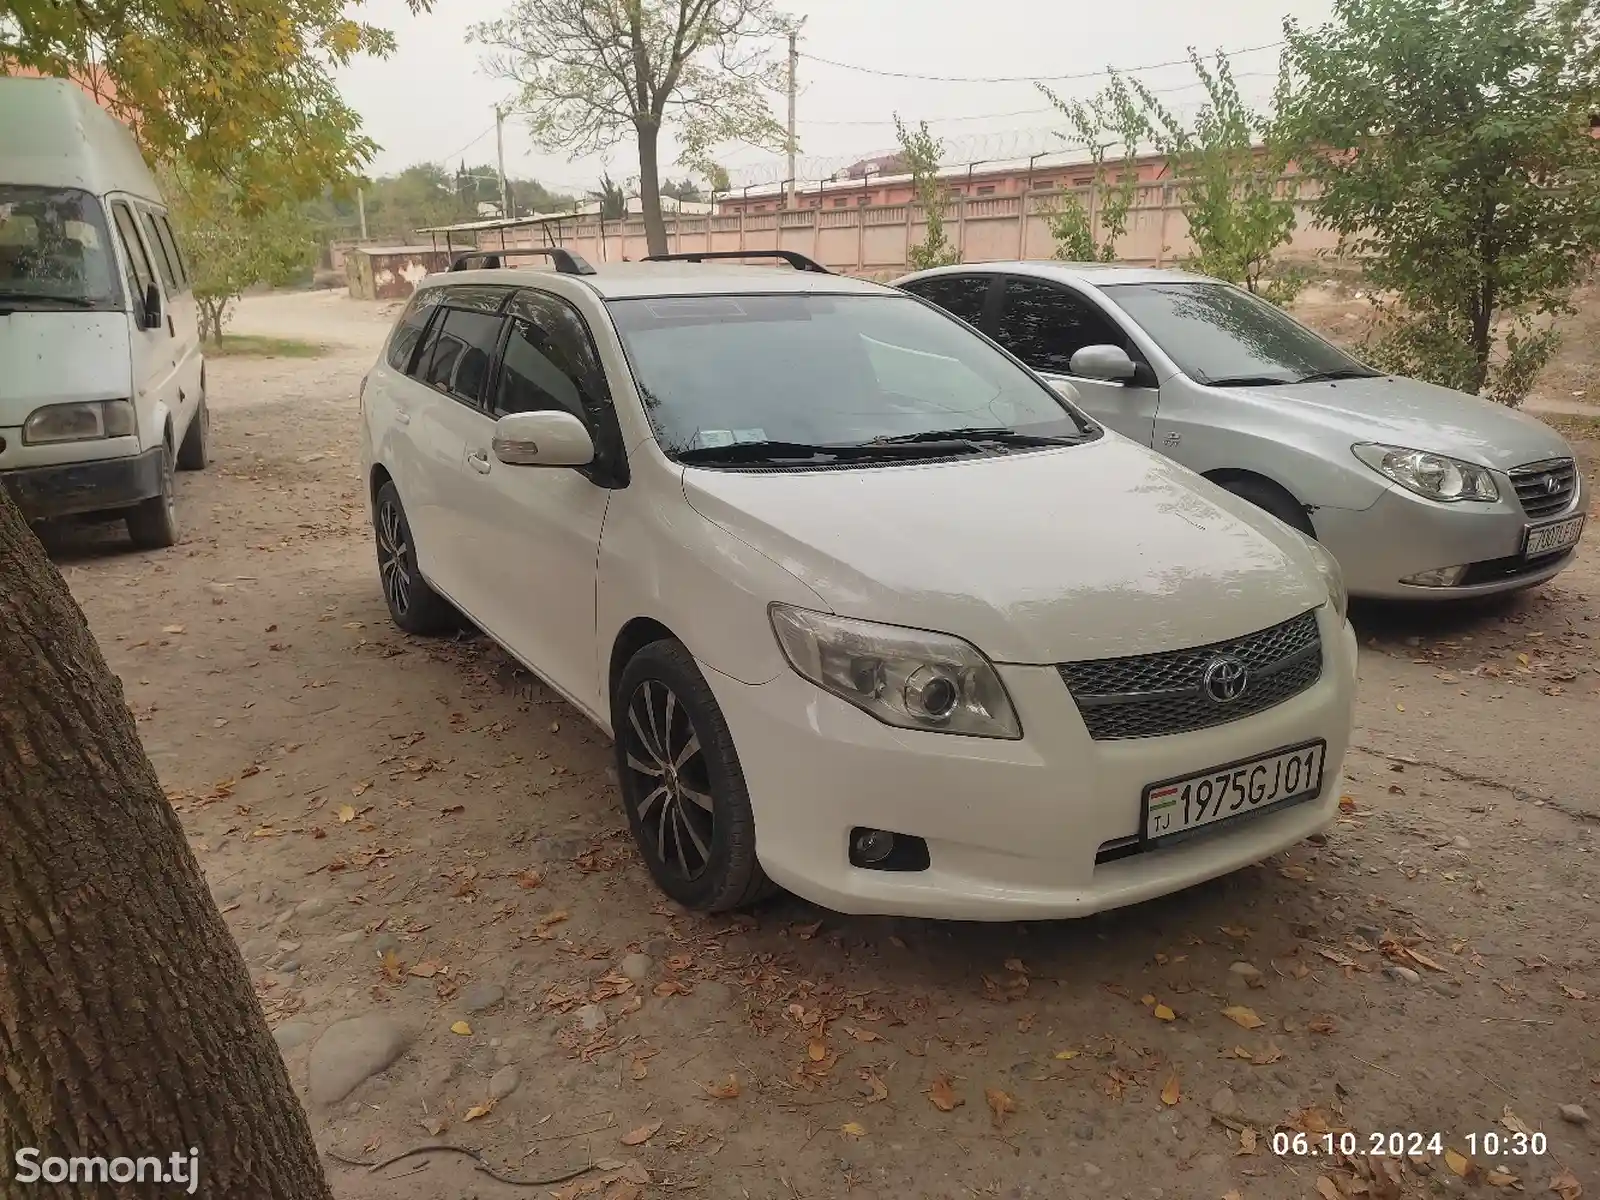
x: 153, y: 524
x: 1273, y: 499
x: 195, y: 452
x: 682, y: 786
x: 413, y: 605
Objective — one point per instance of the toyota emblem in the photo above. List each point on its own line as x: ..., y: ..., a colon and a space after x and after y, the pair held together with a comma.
x: 1226, y: 679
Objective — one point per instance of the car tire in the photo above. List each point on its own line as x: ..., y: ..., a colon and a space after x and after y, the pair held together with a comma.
x: 683, y: 789
x: 413, y: 605
x: 195, y: 450
x: 153, y: 523
x: 1273, y: 499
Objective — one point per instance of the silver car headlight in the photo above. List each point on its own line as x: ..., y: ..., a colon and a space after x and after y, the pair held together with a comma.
x: 80, y: 422
x: 909, y: 678
x: 1333, y: 576
x: 1435, y: 476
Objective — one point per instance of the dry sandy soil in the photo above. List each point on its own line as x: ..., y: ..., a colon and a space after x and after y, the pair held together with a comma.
x: 417, y: 835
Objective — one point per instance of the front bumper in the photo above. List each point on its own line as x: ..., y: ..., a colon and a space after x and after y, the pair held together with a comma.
x: 1012, y: 828
x: 99, y: 485
x: 1403, y: 535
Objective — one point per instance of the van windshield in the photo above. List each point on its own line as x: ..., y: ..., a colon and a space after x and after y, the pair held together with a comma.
x: 55, y: 252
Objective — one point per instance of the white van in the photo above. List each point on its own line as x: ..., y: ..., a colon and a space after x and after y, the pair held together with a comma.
x: 102, y: 385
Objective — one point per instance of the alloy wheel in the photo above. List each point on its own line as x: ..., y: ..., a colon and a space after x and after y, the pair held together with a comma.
x: 393, y: 557
x: 677, y: 816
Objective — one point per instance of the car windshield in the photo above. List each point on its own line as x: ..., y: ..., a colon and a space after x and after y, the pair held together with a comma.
x: 1224, y: 336
x: 723, y: 375
x: 54, y: 250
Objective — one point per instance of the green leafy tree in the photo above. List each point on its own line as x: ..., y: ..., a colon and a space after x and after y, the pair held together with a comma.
x: 717, y: 178
x: 613, y: 200
x: 590, y: 73
x: 243, y: 90
x: 1112, y: 120
x: 921, y: 152
x: 1230, y: 173
x: 685, y: 190
x: 1451, y: 144
x: 230, y: 248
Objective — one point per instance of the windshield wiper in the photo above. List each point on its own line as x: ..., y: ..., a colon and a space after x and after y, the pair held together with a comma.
x: 1341, y: 373
x: 1249, y: 381
x: 809, y: 452
x: 1004, y: 435
x: 8, y: 296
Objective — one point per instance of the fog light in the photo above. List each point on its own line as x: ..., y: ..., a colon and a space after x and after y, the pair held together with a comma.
x: 871, y: 846
x: 1438, y: 577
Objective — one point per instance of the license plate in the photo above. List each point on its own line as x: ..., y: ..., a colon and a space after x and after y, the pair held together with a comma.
x: 1234, y: 790
x: 1547, y: 539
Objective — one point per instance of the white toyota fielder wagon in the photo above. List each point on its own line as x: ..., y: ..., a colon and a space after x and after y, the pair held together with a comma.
x: 871, y: 611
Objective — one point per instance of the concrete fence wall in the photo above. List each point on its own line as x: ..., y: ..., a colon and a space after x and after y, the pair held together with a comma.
x: 873, y: 240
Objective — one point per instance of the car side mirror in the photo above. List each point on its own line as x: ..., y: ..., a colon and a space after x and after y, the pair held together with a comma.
x: 152, y: 306
x: 542, y: 439
x: 1110, y: 363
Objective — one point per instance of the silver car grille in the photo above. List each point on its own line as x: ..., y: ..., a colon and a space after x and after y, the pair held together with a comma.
x: 1545, y: 488
x: 1150, y: 695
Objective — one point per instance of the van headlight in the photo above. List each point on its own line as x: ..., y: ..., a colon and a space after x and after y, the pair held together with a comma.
x: 909, y: 678
x: 80, y: 422
x: 1434, y: 476
x: 1332, y: 577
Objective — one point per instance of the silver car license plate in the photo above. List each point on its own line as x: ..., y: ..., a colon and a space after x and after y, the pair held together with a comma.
x: 1235, y: 790
x: 1547, y: 539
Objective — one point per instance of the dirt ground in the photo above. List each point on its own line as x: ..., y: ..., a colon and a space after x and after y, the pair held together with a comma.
x: 416, y: 834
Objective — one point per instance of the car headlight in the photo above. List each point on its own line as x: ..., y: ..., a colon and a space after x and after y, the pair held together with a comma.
x: 1333, y: 576
x: 905, y: 677
x: 1432, y: 475
x: 80, y: 422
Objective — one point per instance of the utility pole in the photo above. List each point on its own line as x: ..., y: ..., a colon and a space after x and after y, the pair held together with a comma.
x: 794, y: 62
x: 500, y: 160
x: 361, y: 209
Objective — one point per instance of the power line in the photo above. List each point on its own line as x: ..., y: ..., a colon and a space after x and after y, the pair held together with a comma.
x: 457, y: 153
x: 1176, y: 62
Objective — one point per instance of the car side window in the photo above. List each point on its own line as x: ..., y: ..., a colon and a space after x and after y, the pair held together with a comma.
x: 1045, y: 325
x: 169, y: 246
x: 462, y: 353
x: 409, y: 329
x: 133, y: 248
x: 959, y: 295
x: 158, y: 251
x: 551, y: 363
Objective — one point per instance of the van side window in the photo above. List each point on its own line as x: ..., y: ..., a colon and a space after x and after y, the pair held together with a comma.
x: 128, y: 235
x: 169, y: 247
x: 158, y: 251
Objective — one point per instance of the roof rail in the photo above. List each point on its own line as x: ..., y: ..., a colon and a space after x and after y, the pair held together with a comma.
x: 793, y: 257
x: 566, y: 262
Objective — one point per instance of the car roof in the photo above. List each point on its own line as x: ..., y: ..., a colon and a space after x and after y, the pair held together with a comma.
x: 629, y: 280
x: 1094, y: 274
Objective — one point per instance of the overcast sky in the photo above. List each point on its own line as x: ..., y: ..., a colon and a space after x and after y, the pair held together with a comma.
x: 843, y: 114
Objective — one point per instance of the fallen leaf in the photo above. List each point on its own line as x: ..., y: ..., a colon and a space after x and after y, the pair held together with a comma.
x: 1171, y: 1092
x: 1147, y: 1000
x: 1419, y: 956
x: 1234, y: 931
x: 424, y: 970
x: 1000, y: 1104
x: 639, y: 1068
x: 1572, y: 993
x: 1242, y: 1016
x: 728, y: 1089
x: 1015, y: 964
x: 1268, y: 1056
x: 357, y: 789
x: 1163, y: 1013
x: 865, y: 1035
x: 1247, y: 1140
x: 480, y: 1110
x: 1347, y: 804
x: 1458, y: 1163
x: 462, y: 1028
x: 1232, y: 1196
x: 944, y: 1096
x: 1500, y: 1177
x: 1066, y: 1055
x: 643, y: 1134
x: 1322, y: 1025
x: 1513, y: 1122
x: 390, y: 965
x: 1523, y: 659
x: 1328, y: 1189
x: 817, y: 1050
x: 1295, y: 871
x: 1566, y: 1186
x: 529, y: 880
x: 880, y: 1090
x: 172, y: 629
x: 435, y: 1126
x: 853, y: 1129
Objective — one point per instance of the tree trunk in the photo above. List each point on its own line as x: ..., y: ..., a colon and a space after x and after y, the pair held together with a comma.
x: 128, y: 1025
x: 655, y: 228
x: 1482, y: 329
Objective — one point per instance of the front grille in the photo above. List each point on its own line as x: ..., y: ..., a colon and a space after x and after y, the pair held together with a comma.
x: 1545, y: 488
x: 1150, y: 695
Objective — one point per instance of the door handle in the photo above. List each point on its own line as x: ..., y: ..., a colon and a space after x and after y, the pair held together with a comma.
x: 478, y: 460
x: 402, y: 417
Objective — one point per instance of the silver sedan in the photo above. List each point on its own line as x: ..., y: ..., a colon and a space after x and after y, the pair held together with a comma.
x: 1420, y: 492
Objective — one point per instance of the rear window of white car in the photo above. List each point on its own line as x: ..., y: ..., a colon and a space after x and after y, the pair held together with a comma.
x: 823, y: 370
